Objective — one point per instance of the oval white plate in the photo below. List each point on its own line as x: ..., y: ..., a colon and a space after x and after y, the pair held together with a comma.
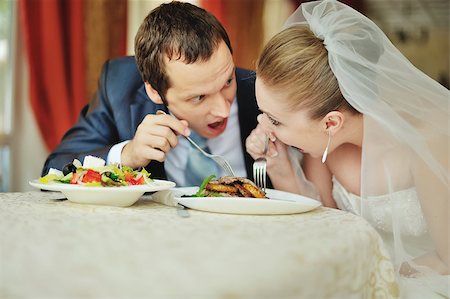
x: 279, y: 202
x: 111, y: 196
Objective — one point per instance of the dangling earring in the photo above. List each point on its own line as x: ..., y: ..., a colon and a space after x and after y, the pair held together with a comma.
x: 325, y: 153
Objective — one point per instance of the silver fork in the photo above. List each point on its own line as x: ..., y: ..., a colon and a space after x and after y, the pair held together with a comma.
x: 260, y: 167
x: 218, y: 159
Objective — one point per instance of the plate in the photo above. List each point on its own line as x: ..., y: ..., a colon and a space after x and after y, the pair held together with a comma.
x: 111, y: 196
x: 278, y: 203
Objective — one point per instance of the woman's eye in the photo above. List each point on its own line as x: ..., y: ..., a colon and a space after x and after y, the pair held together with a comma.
x: 273, y: 121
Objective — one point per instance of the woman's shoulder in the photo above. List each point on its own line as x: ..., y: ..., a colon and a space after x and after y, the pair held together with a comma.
x: 345, y: 164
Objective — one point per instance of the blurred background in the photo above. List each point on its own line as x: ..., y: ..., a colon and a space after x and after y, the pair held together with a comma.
x: 51, y: 53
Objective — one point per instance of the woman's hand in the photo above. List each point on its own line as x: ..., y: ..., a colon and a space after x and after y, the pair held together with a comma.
x: 255, y: 143
x: 278, y: 163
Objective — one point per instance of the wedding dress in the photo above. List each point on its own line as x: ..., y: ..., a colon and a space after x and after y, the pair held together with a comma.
x: 405, y: 163
x: 412, y: 226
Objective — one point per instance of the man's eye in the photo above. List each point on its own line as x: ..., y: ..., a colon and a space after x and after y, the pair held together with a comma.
x: 199, y: 98
x: 229, y: 81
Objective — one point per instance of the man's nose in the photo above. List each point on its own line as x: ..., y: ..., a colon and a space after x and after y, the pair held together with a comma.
x: 220, y: 105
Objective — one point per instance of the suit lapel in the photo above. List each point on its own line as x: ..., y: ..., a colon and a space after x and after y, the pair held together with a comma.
x: 140, y: 107
x: 247, y: 111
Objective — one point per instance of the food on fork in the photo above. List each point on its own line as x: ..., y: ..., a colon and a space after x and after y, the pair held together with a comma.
x: 93, y: 172
x: 229, y: 186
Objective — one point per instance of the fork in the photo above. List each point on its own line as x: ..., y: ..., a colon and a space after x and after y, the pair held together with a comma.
x: 218, y: 159
x: 260, y: 167
x: 221, y: 161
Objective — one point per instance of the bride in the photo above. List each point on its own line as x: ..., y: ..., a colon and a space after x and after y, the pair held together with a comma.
x: 368, y: 133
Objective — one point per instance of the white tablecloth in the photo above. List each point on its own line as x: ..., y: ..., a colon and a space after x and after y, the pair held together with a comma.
x: 58, y: 249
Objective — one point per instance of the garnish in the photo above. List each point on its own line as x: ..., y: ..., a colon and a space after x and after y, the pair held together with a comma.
x: 203, y: 185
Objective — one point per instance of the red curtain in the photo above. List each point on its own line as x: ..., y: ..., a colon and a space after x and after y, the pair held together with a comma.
x: 243, y: 22
x: 54, y: 39
x: 217, y: 8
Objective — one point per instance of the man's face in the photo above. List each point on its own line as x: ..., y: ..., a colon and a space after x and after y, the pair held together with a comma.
x: 202, y: 92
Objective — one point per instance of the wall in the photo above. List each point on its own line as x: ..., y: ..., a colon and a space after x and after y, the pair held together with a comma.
x: 419, y: 29
x: 137, y: 11
x: 28, y: 152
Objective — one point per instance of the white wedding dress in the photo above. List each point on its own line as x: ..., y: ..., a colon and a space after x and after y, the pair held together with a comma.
x: 410, y: 224
x: 404, y: 152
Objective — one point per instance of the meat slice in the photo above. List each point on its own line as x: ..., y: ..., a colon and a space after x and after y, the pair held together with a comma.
x: 235, y: 186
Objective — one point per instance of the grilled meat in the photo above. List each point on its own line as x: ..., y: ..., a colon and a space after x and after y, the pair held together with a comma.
x: 235, y: 186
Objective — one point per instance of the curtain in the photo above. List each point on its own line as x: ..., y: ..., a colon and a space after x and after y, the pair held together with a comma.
x: 66, y: 43
x: 54, y: 40
x: 243, y: 22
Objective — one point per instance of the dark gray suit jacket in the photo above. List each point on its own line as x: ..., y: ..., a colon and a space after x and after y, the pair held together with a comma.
x: 120, y: 105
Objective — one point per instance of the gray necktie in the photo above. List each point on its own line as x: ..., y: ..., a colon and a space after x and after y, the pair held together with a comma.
x: 199, y: 166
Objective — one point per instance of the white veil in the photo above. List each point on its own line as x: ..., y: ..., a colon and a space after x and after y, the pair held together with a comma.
x: 406, y: 133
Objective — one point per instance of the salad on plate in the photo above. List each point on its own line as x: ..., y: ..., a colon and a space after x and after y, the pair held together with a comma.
x: 93, y: 172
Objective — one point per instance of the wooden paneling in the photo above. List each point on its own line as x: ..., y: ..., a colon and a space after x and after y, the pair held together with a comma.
x: 105, y: 27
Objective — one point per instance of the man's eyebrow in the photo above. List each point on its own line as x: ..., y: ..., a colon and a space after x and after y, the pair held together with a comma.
x: 232, y: 73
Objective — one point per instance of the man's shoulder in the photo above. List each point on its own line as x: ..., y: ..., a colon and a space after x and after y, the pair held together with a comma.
x: 245, y: 80
x: 245, y: 75
x: 123, y: 61
x: 121, y: 77
x: 123, y: 67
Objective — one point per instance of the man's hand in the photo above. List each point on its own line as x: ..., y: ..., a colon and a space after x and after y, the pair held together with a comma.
x: 154, y: 137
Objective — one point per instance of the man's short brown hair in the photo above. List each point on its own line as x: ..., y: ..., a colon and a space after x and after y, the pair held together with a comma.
x: 179, y: 31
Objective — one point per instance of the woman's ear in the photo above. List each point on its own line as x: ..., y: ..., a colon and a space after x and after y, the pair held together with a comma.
x: 333, y: 122
x: 153, y: 94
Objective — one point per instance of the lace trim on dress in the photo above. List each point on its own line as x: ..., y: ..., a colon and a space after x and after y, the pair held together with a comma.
x: 405, y: 203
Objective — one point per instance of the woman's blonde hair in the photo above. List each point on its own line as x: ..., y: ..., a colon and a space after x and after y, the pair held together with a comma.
x: 295, y: 62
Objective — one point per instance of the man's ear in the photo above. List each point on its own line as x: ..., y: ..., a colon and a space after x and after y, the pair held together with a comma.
x: 153, y: 94
x: 333, y: 122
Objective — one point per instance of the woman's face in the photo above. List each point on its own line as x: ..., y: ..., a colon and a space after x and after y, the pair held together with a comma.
x: 291, y: 127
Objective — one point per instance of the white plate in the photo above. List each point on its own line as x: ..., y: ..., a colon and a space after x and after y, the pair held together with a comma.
x: 279, y: 202
x: 111, y: 196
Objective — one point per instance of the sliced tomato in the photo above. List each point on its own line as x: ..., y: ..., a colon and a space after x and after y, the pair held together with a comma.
x: 129, y: 176
x: 140, y: 181
x: 131, y: 179
x: 75, y: 177
x: 92, y: 176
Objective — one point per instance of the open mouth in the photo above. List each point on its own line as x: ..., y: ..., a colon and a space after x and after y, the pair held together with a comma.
x: 218, y: 126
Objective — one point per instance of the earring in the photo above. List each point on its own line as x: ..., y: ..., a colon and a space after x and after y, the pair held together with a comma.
x: 325, y: 153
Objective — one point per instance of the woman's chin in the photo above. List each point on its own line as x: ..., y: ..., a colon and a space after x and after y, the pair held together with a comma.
x: 299, y: 149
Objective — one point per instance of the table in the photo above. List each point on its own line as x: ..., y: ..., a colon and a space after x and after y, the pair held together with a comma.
x: 58, y: 249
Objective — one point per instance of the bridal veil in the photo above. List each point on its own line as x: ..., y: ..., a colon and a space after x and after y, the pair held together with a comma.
x: 406, y: 137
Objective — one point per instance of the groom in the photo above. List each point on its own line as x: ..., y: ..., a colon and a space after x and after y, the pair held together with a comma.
x: 183, y: 62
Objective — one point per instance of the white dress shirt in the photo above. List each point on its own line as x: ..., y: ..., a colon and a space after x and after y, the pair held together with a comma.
x: 227, y: 144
